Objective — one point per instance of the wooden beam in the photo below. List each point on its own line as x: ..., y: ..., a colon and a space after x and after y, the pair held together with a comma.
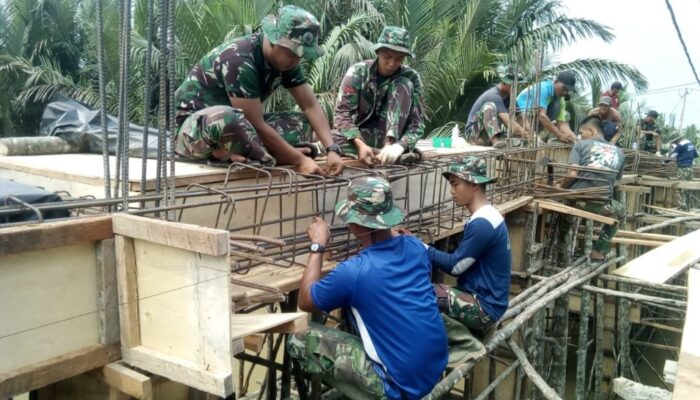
x: 634, y: 189
x: 56, y: 369
x: 664, y: 262
x: 687, y: 378
x: 646, y: 236
x: 125, y: 380
x: 107, y: 300
x: 564, y: 209
x: 514, y: 204
x: 254, y: 342
x: 210, y: 380
x: 630, y: 241
x: 127, y: 292
x: 667, y: 183
x: 54, y: 234
x: 182, y: 236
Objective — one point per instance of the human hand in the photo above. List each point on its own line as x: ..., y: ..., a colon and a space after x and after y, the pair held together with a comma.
x: 568, y: 138
x: 658, y: 154
x: 309, y: 167
x: 334, y: 164
x: 319, y: 231
x: 402, y: 230
x: 390, y: 153
x: 365, y: 154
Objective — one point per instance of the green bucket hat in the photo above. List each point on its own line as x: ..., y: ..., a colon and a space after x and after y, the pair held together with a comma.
x: 394, y: 38
x: 296, y: 29
x: 369, y: 204
x: 470, y: 169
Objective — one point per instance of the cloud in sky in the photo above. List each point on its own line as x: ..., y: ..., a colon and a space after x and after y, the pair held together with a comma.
x: 646, y: 39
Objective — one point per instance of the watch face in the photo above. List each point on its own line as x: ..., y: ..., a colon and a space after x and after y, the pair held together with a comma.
x: 315, y: 247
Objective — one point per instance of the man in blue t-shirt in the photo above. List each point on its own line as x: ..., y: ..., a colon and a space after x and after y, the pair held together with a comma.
x: 685, y: 153
x: 482, y: 261
x: 546, y: 101
x: 386, y: 292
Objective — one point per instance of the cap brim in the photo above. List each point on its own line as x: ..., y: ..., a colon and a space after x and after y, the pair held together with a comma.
x: 380, y: 221
x: 471, y: 178
x: 313, y: 52
x: 269, y: 28
x: 400, y: 49
x: 572, y: 89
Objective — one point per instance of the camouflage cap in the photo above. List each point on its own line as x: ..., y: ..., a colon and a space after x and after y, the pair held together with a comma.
x: 506, y: 73
x: 470, y: 169
x: 369, y: 204
x: 394, y: 38
x: 296, y: 29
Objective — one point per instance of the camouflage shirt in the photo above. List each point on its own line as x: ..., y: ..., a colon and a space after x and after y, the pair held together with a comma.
x: 361, y: 98
x: 233, y: 69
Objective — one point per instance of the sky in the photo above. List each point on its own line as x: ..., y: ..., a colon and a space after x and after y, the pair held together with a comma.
x: 646, y: 39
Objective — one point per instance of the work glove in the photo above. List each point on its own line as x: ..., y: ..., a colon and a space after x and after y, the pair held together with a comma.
x: 390, y: 153
x: 658, y: 154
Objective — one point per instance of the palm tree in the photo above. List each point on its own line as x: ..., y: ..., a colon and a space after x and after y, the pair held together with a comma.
x: 456, y: 42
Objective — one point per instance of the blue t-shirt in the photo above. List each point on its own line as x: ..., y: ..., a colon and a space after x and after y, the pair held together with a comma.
x: 482, y: 261
x: 526, y: 98
x: 387, y: 290
x: 684, y: 153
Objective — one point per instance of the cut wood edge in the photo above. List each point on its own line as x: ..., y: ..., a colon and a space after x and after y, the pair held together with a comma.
x: 564, y: 209
x: 56, y: 369
x: 54, y: 234
x: 210, y: 380
x: 254, y: 342
x: 125, y: 380
x: 195, y: 238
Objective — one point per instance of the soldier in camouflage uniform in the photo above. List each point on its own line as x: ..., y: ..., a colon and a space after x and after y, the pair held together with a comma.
x: 592, y: 152
x: 482, y: 260
x: 219, y: 112
x: 380, y: 103
x: 489, y: 117
x: 386, y: 294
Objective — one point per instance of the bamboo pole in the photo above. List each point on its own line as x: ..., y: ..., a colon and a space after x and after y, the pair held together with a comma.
x: 599, y: 332
x: 635, y: 282
x: 641, y: 298
x: 582, y: 351
x: 497, y: 381
x: 623, y: 331
x: 560, y: 329
x: 667, y: 223
x: 546, y: 390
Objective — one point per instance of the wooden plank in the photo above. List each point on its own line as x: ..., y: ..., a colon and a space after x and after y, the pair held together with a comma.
x: 48, y: 304
x: 107, y: 298
x: 54, y: 234
x: 687, y: 378
x: 243, y: 325
x: 125, y: 380
x: 190, y: 291
x: 666, y: 183
x: 254, y: 342
x: 634, y: 189
x: 630, y: 390
x: 664, y: 262
x: 56, y: 369
x: 564, y: 209
x: 127, y: 290
x: 208, y: 379
x: 513, y: 205
x: 630, y: 241
x: 646, y: 236
x: 183, y: 236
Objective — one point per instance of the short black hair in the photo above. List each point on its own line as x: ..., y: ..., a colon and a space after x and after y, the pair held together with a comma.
x: 592, y: 122
x: 616, y: 85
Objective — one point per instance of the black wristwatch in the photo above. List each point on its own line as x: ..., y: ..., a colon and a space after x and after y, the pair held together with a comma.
x: 317, y: 247
x: 334, y: 148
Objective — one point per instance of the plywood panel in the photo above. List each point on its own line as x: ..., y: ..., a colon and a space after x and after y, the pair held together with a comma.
x: 687, y: 379
x: 48, y: 304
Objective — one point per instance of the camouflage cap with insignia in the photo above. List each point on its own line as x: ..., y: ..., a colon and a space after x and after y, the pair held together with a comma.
x: 369, y: 204
x: 394, y: 38
x: 470, y: 169
x: 296, y: 29
x: 506, y: 73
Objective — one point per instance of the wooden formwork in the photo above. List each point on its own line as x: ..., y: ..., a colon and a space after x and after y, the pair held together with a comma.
x: 58, y: 303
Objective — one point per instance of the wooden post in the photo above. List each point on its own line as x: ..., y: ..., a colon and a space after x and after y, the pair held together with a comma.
x: 582, y: 351
x: 623, y: 331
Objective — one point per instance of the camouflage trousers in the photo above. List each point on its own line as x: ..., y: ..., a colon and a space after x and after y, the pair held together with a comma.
x: 336, y: 355
x: 463, y: 307
x: 686, y: 197
x: 485, y: 125
x: 226, y: 127
x: 612, y: 208
x: 388, y: 120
